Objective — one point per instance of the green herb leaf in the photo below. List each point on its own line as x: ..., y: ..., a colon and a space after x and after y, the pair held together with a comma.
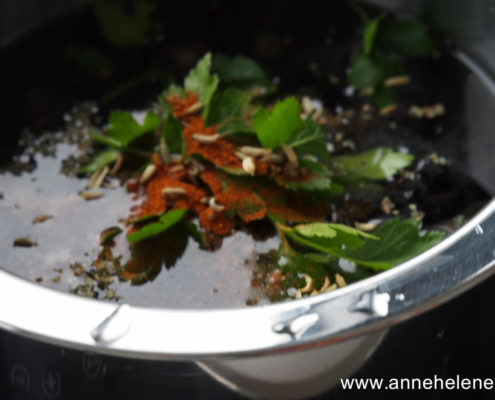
x: 409, y: 38
x: 172, y: 133
x: 370, y: 32
x: 172, y: 89
x: 379, y: 163
x: 235, y: 126
x: 124, y: 128
x: 383, y: 97
x: 167, y: 220
x: 275, y: 128
x: 194, y: 232
x: 241, y: 70
x: 121, y: 29
x: 311, y: 140
x: 367, y: 71
x: 107, y: 236
x: 400, y: 240
x: 200, y: 81
x: 329, y: 238
x: 230, y: 103
x: 101, y: 160
x: 316, y: 179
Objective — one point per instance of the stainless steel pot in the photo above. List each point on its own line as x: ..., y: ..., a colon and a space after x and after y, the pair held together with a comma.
x: 269, y: 351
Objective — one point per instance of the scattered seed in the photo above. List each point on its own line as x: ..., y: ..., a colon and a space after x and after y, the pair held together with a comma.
x: 213, y: 204
x: 77, y: 269
x: 274, y: 158
x: 326, y: 284
x: 118, y: 163
x: 254, y: 151
x: 174, y: 190
x: 42, y: 218
x: 349, y: 144
x: 309, y: 284
x: 290, y: 154
x: 206, y: 138
x: 416, y: 111
x: 100, y: 178
x: 176, y: 168
x: 388, y: 110
x: 148, y: 173
x: 195, y: 108
x: 387, y: 205
x: 307, y: 105
x: 365, y: 226
x: 24, y: 242
x: 87, y: 195
x: 39, y: 279
x: 93, y: 179
x: 317, y: 114
x: 57, y: 279
x: 397, y: 81
x: 164, y: 151
x: 249, y: 166
x: 339, y: 279
x: 240, y: 155
x: 367, y: 91
x: 332, y: 287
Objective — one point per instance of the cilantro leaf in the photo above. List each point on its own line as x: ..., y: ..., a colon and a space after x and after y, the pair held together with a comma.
x: 235, y: 126
x: 230, y: 103
x: 167, y: 220
x: 379, y: 163
x: 392, y: 243
x: 310, y: 140
x: 383, y: 97
x: 172, y: 133
x: 200, y: 81
x: 400, y: 240
x: 241, y: 71
x: 121, y: 29
x: 327, y: 237
x: 316, y: 179
x: 104, y: 158
x: 194, y: 232
x: 275, y: 128
x: 370, y: 32
x: 124, y: 128
x: 409, y: 38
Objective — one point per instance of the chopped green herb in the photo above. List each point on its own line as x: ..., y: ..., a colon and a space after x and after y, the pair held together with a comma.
x: 167, y: 220
x: 200, y: 81
x: 379, y: 163
x: 276, y: 127
x: 103, y: 159
x: 124, y: 128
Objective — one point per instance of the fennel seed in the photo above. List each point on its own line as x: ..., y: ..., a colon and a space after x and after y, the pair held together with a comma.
x: 148, y: 173
x: 88, y: 195
x: 207, y: 139
x: 42, y: 218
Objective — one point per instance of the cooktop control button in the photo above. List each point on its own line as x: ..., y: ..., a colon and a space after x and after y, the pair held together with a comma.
x: 92, y: 365
x: 19, y: 378
x: 51, y: 384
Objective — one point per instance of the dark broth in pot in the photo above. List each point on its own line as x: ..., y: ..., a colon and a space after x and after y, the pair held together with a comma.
x: 58, y: 92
